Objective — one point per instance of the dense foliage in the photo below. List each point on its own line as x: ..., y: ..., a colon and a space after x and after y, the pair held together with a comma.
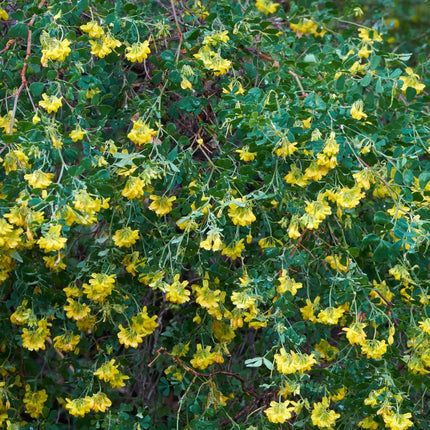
x: 214, y: 214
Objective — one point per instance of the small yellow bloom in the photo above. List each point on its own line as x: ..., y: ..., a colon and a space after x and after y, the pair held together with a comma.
x: 138, y: 51
x: 77, y: 134
x: 161, y: 205
x: 266, y: 6
x: 39, y: 179
x: 125, y: 237
x: 279, y: 412
x: 357, y: 110
x: 50, y: 103
x: 93, y: 29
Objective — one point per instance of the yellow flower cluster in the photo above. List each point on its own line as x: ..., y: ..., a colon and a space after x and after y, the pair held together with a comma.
x: 125, y: 237
x: 161, y: 205
x: 213, y: 60
x: 279, y: 412
x: 98, y: 402
x: 411, y: 80
x: 287, y: 284
x: 141, y: 133
x: 176, y: 292
x: 50, y: 103
x: 142, y: 325
x: 52, y: 240
x: 212, y: 242
x: 39, y: 179
x: 293, y: 362
x: 203, y: 358
x: 108, y: 372
x: 53, y: 49
x: 322, y: 416
x: 240, y: 212
x: 266, y: 6
x: 99, y: 287
x: 138, y: 51
x: 35, y: 338
x: 308, y: 26
x: 34, y: 401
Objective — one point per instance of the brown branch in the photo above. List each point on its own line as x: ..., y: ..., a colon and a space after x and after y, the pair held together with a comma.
x: 189, y: 369
x: 383, y: 298
x: 9, y: 44
x: 24, y: 69
x: 297, y: 78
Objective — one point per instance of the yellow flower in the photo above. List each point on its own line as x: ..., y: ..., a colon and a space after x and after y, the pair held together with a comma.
x: 357, y: 110
x: 125, y: 237
x: 35, y: 339
x: 176, y: 292
x: 99, y: 48
x: 52, y: 241
x: 141, y: 133
x: 288, y: 284
x: 129, y: 336
x: 286, y: 148
x: 327, y: 351
x: 75, y: 310
x: 107, y: 371
x: 212, y: 242
x: 143, y: 323
x: 100, y: 402
x: 366, y: 36
x: 374, y: 348
x: 133, y: 188
x: 99, y: 287
x: 322, y: 416
x: 308, y: 26
x: 355, y: 333
x: 50, y: 103
x: 240, y: 212
x: 396, y: 421
x: 235, y: 251
x: 292, y: 362
x: 161, y: 205
x: 266, y: 6
x: 216, y: 37
x: 93, y: 29
x: 319, y: 208
x: 138, y: 51
x: 245, y: 154
x: 77, y: 134
x: 364, y: 52
x: 202, y: 358
x: 53, y: 49
x: 368, y: 423
x: 3, y: 14
x: 411, y: 81
x: 79, y: 407
x: 213, y: 60
x: 66, y: 342
x: 39, y: 179
x: 308, y: 311
x: 279, y: 412
x: 22, y: 314
x: 186, y: 84
x: 425, y: 325
x: 335, y: 263
x: 34, y: 401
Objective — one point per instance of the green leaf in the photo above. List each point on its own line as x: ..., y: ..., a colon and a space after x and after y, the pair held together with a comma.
x: 383, y: 253
x: 364, y: 82
x: 37, y: 88
x: 18, y: 30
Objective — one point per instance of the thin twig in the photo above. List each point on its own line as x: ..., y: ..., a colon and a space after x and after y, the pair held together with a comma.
x: 162, y: 350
